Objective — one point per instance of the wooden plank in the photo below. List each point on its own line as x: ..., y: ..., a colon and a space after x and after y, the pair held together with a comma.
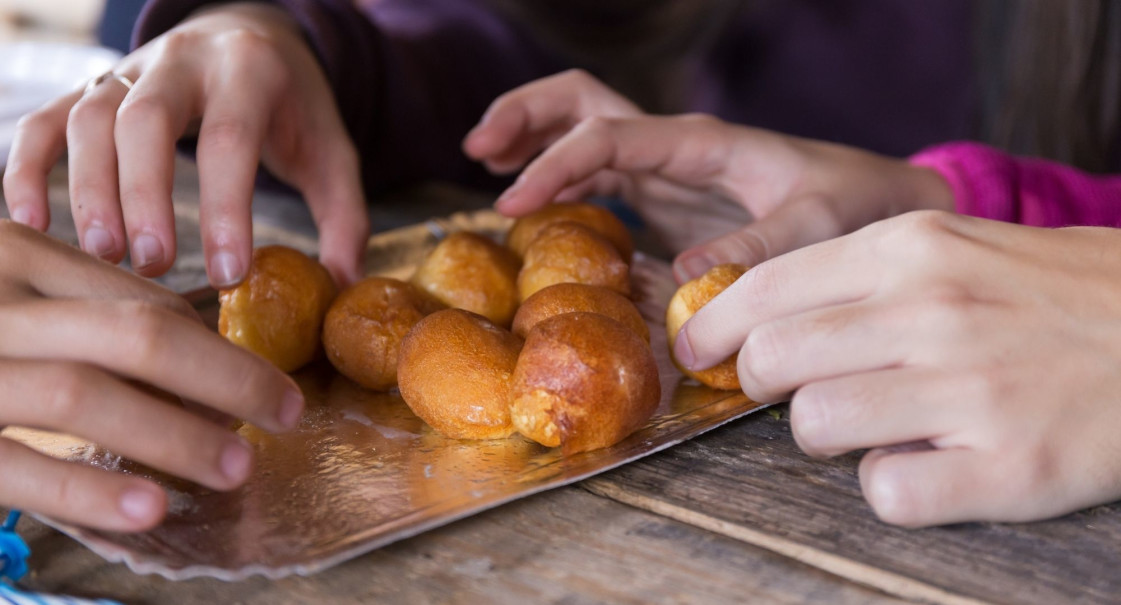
x: 749, y: 480
x: 563, y: 546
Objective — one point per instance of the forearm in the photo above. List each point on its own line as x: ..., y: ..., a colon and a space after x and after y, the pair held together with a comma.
x: 991, y: 184
x: 410, y: 77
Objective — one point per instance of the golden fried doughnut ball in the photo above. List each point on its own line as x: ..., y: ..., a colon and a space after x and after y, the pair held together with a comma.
x: 454, y: 372
x: 468, y: 271
x: 559, y: 299
x: 599, y: 219
x: 568, y: 252
x: 689, y: 299
x: 277, y: 312
x: 583, y: 381
x: 364, y: 328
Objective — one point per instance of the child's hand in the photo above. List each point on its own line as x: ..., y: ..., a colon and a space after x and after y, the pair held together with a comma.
x: 800, y: 192
x: 522, y: 122
x: 73, y: 332
x: 979, y: 360
x: 241, y: 77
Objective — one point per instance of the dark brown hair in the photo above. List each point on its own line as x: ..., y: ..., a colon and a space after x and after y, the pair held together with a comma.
x: 1051, y: 79
x: 1049, y: 71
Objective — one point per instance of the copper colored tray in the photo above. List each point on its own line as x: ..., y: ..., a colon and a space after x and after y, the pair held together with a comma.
x: 362, y: 471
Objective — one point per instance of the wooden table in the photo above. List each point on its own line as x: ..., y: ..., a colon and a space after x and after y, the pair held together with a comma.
x: 736, y: 515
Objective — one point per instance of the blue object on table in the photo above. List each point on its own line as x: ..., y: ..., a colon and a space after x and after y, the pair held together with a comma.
x: 13, y: 550
x: 117, y: 23
x: 13, y: 566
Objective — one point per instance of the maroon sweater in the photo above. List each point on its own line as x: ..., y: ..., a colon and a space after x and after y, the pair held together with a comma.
x: 412, y: 76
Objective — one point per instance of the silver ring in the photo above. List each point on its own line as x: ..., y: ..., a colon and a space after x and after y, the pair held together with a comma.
x: 94, y: 83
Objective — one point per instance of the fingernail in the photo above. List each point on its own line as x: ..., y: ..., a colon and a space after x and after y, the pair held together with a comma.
x: 290, y: 408
x: 147, y: 250
x: 510, y: 192
x: 696, y: 265
x: 22, y: 215
x: 98, y: 241
x: 140, y: 504
x: 683, y: 351
x: 225, y: 270
x: 236, y: 460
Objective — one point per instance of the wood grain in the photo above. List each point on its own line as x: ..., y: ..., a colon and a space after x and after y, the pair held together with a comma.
x: 749, y: 480
x: 564, y: 546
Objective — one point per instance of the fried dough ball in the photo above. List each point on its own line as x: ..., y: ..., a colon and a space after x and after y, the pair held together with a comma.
x: 568, y: 252
x: 689, y: 299
x: 454, y: 372
x: 527, y: 228
x: 583, y: 382
x: 277, y: 312
x: 364, y: 328
x: 468, y: 271
x: 559, y: 299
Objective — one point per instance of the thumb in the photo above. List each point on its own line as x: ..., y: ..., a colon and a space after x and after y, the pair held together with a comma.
x: 796, y: 223
x: 338, y: 205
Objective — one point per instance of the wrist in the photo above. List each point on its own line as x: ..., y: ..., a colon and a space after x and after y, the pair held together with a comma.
x: 928, y: 190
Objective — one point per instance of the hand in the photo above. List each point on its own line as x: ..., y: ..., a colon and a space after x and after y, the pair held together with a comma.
x: 978, y: 360
x: 526, y: 120
x: 73, y: 331
x: 243, y: 79
x: 800, y: 191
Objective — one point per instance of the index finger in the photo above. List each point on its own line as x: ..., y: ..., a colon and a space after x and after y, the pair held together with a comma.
x: 39, y: 141
x: 56, y: 270
x: 528, y: 114
x: 149, y: 343
x: 689, y: 150
x: 833, y: 272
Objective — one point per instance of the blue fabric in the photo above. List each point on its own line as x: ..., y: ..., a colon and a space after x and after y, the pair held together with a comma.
x: 117, y: 22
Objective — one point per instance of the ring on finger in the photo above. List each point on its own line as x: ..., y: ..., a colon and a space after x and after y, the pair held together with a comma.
x: 106, y: 77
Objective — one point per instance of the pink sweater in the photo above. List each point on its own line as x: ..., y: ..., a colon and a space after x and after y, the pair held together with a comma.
x: 992, y: 184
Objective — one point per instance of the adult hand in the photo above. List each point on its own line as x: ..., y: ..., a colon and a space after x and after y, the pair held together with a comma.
x: 239, y: 76
x: 73, y: 332
x: 978, y: 360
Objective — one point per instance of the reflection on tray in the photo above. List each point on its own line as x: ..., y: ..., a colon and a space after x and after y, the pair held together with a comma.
x: 362, y: 471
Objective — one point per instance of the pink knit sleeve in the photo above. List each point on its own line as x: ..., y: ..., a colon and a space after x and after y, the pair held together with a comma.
x: 992, y: 184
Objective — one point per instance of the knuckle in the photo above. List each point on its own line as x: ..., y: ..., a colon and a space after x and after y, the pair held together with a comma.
x: 145, y: 323
x: 226, y: 133
x: 888, y: 495
x: 929, y: 235
x: 700, y: 120
x: 760, y: 358
x: 245, y: 43
x: 69, y: 385
x: 578, y: 77
x: 178, y: 42
x: 763, y: 281
x: 18, y: 182
x: 253, y: 50
x: 33, y: 122
x: 809, y: 418
x: 594, y: 127
x: 142, y: 112
x: 87, y: 110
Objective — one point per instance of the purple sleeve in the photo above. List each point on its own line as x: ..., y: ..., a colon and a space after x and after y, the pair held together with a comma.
x: 410, y: 77
x: 992, y: 184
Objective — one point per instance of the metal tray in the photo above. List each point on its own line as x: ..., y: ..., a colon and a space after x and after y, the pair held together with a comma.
x: 361, y: 471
